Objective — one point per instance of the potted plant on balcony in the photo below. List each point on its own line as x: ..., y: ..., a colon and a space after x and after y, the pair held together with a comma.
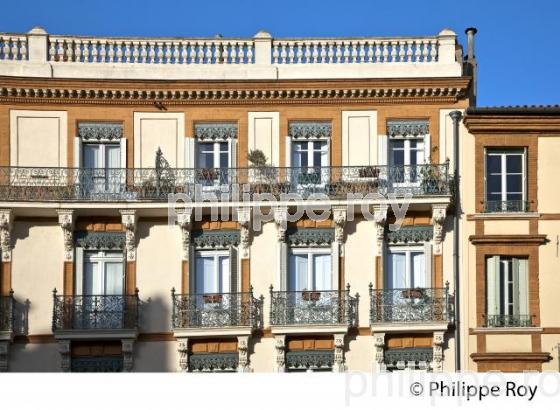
x: 416, y: 293
x: 261, y: 175
x: 311, y: 296
x: 212, y: 298
x: 368, y: 172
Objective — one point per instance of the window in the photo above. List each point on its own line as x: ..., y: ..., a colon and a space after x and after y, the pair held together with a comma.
x: 310, y: 270
x: 404, y: 155
x: 406, y: 268
x: 507, y: 292
x: 505, y: 181
x: 308, y: 157
x: 103, y: 273
x: 102, y: 162
x: 212, y: 272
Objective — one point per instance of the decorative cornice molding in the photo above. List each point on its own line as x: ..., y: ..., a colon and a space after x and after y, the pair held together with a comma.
x: 519, y: 240
x: 215, y: 239
x: 215, y: 131
x: 100, y: 240
x: 510, y: 357
x: 411, y: 234
x: 306, y: 359
x: 89, y: 131
x: 213, y: 361
x: 407, y: 127
x: 310, y: 236
x: 310, y: 129
x: 411, y: 354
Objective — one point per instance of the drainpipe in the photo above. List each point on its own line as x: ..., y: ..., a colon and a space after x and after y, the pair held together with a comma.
x: 456, y: 116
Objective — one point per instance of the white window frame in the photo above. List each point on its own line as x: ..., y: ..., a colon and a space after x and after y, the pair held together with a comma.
x: 216, y: 254
x: 503, y: 153
x: 103, y: 152
x: 311, y: 253
x: 101, y: 258
x: 408, y: 250
x: 407, y: 149
x: 311, y: 166
x: 518, y: 299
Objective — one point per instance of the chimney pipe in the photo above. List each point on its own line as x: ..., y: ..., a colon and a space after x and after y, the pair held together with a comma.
x: 470, y: 32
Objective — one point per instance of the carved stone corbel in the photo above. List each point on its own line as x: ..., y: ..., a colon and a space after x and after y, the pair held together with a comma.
x: 380, y: 217
x: 339, y: 219
x: 6, y: 225
x: 243, y: 351
x: 379, y: 341
x: 439, y: 213
x: 339, y: 362
x: 244, y: 219
x: 437, y: 365
x: 66, y: 221
x: 129, y: 221
x: 184, y: 220
x: 280, y: 347
x: 281, y: 220
x: 183, y: 349
x: 128, y: 354
x: 64, y: 350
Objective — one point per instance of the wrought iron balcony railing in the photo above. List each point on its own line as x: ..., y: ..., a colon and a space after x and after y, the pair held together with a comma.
x: 314, y: 307
x: 509, y: 320
x: 7, y: 312
x: 95, y: 312
x: 218, y: 184
x: 216, y: 310
x: 506, y: 206
x: 410, y: 305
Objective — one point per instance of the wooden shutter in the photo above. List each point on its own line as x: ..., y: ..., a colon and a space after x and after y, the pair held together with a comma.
x: 428, y: 264
x: 232, y: 147
x: 493, y: 285
x: 522, y: 285
x: 335, y: 265
x: 427, y: 148
x: 233, y: 270
x: 79, y: 270
x: 77, y: 152
x: 382, y: 149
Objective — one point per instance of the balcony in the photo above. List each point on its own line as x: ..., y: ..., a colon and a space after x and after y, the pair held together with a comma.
x: 95, y: 314
x: 415, y: 307
x: 506, y: 206
x: 7, y: 314
x: 508, y: 320
x: 322, y: 308
x: 217, y: 313
x: 219, y: 184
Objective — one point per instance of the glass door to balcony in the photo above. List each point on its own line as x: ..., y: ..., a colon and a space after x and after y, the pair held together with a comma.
x: 405, y: 283
x: 101, y: 173
x: 310, y: 297
x: 212, y: 164
x: 309, y: 161
x: 103, y: 304
x: 406, y: 155
x: 212, y: 285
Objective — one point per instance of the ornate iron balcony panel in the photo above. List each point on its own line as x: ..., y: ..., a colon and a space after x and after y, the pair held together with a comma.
x: 410, y: 305
x: 217, y: 310
x: 214, y: 362
x: 506, y: 206
x: 102, y: 364
x: 325, y: 307
x: 7, y: 313
x: 509, y: 320
x: 95, y: 312
x: 218, y: 184
x: 310, y: 359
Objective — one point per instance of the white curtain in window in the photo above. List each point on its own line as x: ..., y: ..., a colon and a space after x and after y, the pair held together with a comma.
x: 523, y: 285
x: 397, y: 271
x: 493, y: 285
x: 297, y: 278
x: 205, y: 275
x: 224, y: 274
x: 114, y: 278
x: 113, y: 153
x: 323, y: 274
x: 418, y: 274
x: 92, y: 157
x: 92, y: 279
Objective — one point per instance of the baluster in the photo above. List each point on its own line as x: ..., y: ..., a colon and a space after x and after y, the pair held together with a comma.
x: 393, y: 51
x: 433, y: 50
x: 226, y: 52
x: 385, y: 51
x: 370, y: 52
x: 184, y: 53
x: 275, y: 53
x: 362, y: 52
x: 242, y: 53
x: 401, y: 52
x: 23, y: 49
x: 338, y: 51
x: 52, y: 49
x: 152, y: 52
x: 192, y: 52
x: 323, y: 51
x: 85, y: 51
x: 102, y: 51
x: 94, y: 51
x: 111, y: 53
x: 159, y: 47
x: 315, y: 55
x: 128, y: 51
x: 409, y: 53
x: 417, y: 51
x: 175, y: 55
x: 119, y: 51
x: 218, y: 53
x: 307, y: 53
x: 331, y: 52
x: 208, y: 52
x: 14, y: 49
x: 60, y: 50
x: 200, y: 53
x: 283, y: 53
x: 78, y: 50
x: 291, y: 54
x: 143, y: 52
x: 354, y: 51
x: 377, y: 52
x: 234, y: 54
x: 249, y: 53
x: 425, y: 51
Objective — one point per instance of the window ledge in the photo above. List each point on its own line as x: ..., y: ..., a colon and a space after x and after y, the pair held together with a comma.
x: 506, y: 330
x: 506, y: 215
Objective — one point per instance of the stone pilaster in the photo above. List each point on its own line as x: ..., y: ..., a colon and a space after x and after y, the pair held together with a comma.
x: 281, y: 221
x: 6, y: 225
x: 280, y: 347
x: 64, y: 350
x: 128, y: 354
x: 244, y: 219
x: 437, y: 364
x: 183, y: 349
x: 379, y: 340
x: 339, y: 362
x: 184, y: 220
x: 243, y: 351
x: 129, y: 220
x: 66, y: 221
x: 439, y: 213
x: 339, y: 219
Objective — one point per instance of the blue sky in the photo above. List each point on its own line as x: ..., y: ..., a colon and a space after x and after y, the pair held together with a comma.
x: 517, y: 45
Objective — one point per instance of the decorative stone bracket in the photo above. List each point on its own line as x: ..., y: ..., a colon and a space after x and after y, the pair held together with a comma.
x: 280, y: 347
x: 129, y: 221
x: 184, y: 220
x: 128, y: 354
x: 64, y: 350
x: 183, y: 349
x: 437, y: 365
x: 66, y: 221
x: 380, y: 217
x: 339, y: 362
x: 281, y: 220
x: 339, y: 219
x: 379, y: 340
x: 439, y: 212
x: 243, y: 351
x: 6, y: 225
x: 244, y: 219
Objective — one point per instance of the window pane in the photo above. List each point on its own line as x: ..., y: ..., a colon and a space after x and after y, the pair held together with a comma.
x: 114, y: 278
x: 397, y: 271
x: 418, y: 270
x: 297, y: 276
x: 493, y: 164
x: 91, y: 156
x: 323, y: 275
x: 514, y: 163
x: 224, y: 274
x: 397, y: 157
x: 92, y: 279
x: 494, y: 184
x: 205, y: 279
x: 514, y: 183
x: 113, y: 153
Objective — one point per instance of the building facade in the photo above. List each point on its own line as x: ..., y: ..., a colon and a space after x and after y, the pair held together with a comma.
x: 264, y: 205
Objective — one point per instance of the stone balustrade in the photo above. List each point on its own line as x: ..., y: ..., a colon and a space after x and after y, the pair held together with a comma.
x: 38, y: 54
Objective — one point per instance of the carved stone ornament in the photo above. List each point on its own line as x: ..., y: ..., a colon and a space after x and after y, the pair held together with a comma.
x: 4, y: 352
x: 243, y: 351
x: 280, y: 347
x: 215, y: 131
x: 100, y: 131
x: 64, y: 350
x: 438, y: 220
x: 410, y: 234
x: 380, y: 217
x: 244, y: 219
x: 281, y: 220
x: 128, y: 354
x: 183, y: 349
x: 379, y: 342
x: 339, y: 364
x: 6, y: 224
x: 310, y: 236
x: 216, y: 239
x: 129, y: 222
x: 406, y: 128
x: 437, y: 364
x: 184, y: 220
x: 310, y: 129
x: 100, y: 240
x: 339, y: 218
x: 66, y: 222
